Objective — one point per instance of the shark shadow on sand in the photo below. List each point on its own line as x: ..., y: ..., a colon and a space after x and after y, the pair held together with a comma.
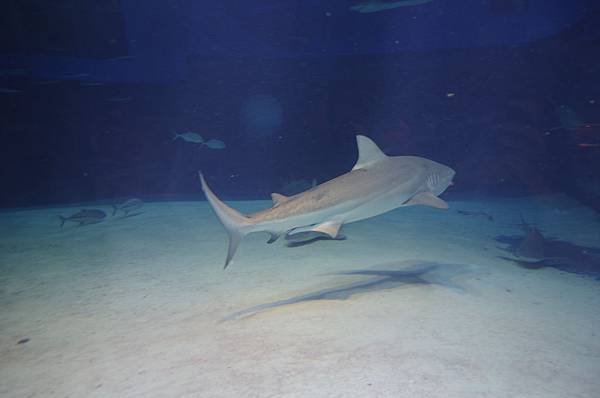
x: 381, y: 277
x: 534, y: 251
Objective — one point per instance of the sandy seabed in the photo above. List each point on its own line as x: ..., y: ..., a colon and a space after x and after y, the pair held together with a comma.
x: 414, y: 303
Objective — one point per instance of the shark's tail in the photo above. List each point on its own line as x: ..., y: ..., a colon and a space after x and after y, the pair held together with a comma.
x: 233, y: 221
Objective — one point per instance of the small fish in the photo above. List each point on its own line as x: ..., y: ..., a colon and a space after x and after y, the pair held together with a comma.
x: 84, y: 217
x: 215, y: 144
x: 189, y: 137
x: 588, y: 145
x: 305, y: 237
x: 128, y: 206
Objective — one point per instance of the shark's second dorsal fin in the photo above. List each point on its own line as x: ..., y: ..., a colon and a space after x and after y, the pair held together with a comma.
x: 278, y: 198
x: 368, y: 152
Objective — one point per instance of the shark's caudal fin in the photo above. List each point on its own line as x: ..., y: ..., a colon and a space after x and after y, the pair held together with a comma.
x: 233, y: 221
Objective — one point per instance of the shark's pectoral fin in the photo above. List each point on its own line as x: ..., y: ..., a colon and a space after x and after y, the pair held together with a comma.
x: 326, y: 230
x: 273, y: 237
x: 426, y: 199
x: 278, y: 198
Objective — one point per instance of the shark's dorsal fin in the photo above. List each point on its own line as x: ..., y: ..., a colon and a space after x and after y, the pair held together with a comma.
x: 368, y: 152
x: 278, y: 198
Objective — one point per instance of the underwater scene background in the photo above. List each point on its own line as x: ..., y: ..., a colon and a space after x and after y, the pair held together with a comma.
x: 425, y: 175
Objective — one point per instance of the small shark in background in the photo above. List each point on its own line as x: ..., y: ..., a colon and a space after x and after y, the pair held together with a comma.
x: 535, y: 251
x: 376, y: 184
x: 367, y: 7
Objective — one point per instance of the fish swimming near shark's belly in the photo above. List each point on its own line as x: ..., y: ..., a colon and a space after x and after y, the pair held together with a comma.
x: 376, y: 184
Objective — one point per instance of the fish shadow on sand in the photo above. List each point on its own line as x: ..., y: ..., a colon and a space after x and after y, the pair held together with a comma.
x: 381, y: 277
x: 129, y: 215
x: 534, y: 251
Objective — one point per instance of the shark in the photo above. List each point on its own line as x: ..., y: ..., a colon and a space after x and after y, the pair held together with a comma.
x: 377, y: 183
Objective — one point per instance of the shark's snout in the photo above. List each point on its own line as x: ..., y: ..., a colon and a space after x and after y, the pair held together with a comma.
x: 448, y: 180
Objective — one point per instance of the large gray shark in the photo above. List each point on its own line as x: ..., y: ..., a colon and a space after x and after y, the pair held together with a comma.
x: 376, y: 184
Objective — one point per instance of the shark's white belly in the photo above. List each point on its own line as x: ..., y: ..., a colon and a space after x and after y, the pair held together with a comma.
x: 302, y: 220
x: 384, y: 203
x: 345, y: 212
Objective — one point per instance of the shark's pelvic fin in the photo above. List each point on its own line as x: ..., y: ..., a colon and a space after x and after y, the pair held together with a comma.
x: 427, y: 199
x: 278, y: 198
x: 368, y: 152
x: 331, y: 228
x: 233, y: 221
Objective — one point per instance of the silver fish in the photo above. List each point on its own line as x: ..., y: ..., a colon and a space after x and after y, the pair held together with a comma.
x: 189, y: 137
x: 215, y: 144
x: 84, y: 217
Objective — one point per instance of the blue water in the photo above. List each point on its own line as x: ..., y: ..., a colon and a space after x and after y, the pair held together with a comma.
x: 286, y: 86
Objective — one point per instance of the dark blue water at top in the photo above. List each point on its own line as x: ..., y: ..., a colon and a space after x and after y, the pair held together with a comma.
x: 504, y: 91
